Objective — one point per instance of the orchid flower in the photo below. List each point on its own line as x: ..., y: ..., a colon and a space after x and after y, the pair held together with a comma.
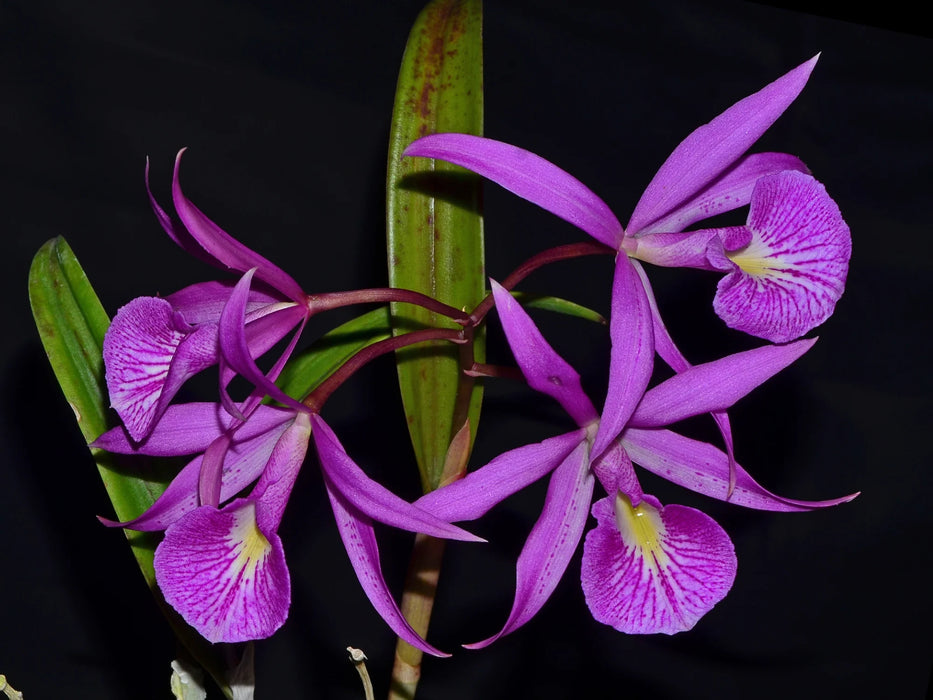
x: 786, y: 267
x: 156, y: 344
x: 646, y: 567
x: 223, y: 568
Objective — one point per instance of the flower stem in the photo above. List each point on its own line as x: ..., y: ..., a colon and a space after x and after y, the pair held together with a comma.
x: 545, y: 257
x: 8, y: 690
x: 417, y: 604
x: 359, y: 661
x: 381, y: 295
x: 421, y: 580
x: 315, y: 400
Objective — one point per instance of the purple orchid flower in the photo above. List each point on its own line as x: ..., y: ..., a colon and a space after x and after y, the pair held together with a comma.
x: 223, y: 567
x: 647, y: 568
x: 156, y: 344
x: 786, y: 267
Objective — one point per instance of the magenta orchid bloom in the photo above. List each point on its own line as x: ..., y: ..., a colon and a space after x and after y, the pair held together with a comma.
x: 154, y: 344
x: 786, y: 267
x: 223, y: 567
x: 647, y: 568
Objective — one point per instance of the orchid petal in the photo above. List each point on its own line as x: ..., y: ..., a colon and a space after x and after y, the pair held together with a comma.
x: 529, y: 176
x: 632, y: 356
x: 649, y: 569
x: 703, y: 468
x: 359, y: 539
x: 730, y: 191
x: 710, y: 149
x: 472, y: 496
x: 792, y: 273
x: 234, y: 346
x: 713, y: 386
x: 264, y: 328
x: 210, y: 478
x: 225, y: 249
x: 545, y: 370
x: 371, y: 498
x: 203, y: 302
x: 275, y: 485
x: 223, y: 574
x: 243, y: 462
x: 552, y: 541
x: 149, y: 352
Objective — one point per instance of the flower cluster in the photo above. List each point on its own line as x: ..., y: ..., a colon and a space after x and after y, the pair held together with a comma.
x: 647, y: 567
x: 223, y: 566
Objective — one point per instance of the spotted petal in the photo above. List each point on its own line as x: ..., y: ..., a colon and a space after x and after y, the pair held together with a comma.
x: 650, y: 569
x: 712, y: 148
x: 226, y: 577
x: 703, y: 468
x: 788, y: 279
x: 733, y: 189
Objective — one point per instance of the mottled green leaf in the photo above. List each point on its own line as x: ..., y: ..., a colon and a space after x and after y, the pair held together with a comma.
x: 434, y: 223
x: 72, y: 322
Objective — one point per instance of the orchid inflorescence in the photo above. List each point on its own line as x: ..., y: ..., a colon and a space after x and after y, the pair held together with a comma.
x: 647, y: 567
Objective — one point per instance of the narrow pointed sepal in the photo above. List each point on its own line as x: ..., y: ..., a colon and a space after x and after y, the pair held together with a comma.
x: 222, y: 248
x: 359, y: 539
x: 650, y: 569
x: 552, y: 541
x: 529, y: 176
x: 788, y: 279
x: 632, y: 357
x: 712, y: 148
x: 545, y: 370
x: 226, y: 577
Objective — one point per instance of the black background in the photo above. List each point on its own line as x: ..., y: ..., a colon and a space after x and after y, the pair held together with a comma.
x: 286, y: 112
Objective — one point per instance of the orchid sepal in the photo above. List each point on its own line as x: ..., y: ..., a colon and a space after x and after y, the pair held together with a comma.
x: 712, y: 148
x: 529, y: 176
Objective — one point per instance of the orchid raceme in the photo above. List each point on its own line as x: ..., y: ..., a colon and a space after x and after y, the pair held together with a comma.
x: 156, y: 344
x: 646, y: 567
x: 786, y: 267
x: 239, y: 587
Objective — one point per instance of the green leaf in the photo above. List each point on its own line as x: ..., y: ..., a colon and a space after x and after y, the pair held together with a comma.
x: 434, y: 224
x: 72, y: 324
x: 305, y: 371
x: 560, y: 306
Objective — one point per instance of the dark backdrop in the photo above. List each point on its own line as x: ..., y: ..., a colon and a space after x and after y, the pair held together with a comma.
x: 285, y: 110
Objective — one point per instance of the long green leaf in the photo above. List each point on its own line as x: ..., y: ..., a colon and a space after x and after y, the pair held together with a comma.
x: 72, y: 323
x: 434, y: 224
